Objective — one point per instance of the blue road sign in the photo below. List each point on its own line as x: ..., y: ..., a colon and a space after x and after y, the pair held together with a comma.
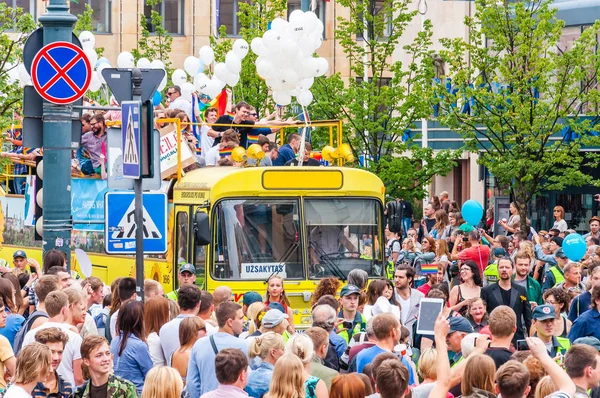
x: 119, y: 225
x: 131, y: 138
x: 61, y: 72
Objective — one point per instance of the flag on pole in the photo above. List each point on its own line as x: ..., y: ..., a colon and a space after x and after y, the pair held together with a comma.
x: 195, y: 127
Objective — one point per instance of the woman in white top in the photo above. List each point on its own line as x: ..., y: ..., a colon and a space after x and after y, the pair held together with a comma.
x: 513, y: 221
x: 156, y: 314
x: 559, y: 219
x: 33, y: 366
x: 379, y: 297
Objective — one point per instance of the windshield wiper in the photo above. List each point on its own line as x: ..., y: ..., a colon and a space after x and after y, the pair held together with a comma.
x: 285, y: 256
x: 325, y: 260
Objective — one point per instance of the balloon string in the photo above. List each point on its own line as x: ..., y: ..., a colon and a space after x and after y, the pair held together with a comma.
x: 303, y: 140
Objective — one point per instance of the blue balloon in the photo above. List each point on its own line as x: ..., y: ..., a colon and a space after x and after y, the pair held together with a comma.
x: 472, y: 212
x: 156, y: 98
x: 102, y: 60
x: 574, y: 247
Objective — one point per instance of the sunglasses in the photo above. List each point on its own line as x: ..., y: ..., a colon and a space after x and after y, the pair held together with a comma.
x: 253, y: 114
x: 170, y: 93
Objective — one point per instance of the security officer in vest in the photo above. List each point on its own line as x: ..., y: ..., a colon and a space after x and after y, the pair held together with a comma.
x: 544, y: 317
x: 187, y: 274
x: 490, y: 274
x: 555, y: 274
x: 354, y: 321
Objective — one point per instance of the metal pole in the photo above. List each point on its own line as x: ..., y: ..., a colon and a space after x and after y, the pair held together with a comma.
x: 57, y: 221
x: 136, y: 77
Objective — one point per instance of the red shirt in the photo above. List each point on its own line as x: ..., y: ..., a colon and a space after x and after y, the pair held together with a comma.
x: 480, y: 254
x: 424, y: 288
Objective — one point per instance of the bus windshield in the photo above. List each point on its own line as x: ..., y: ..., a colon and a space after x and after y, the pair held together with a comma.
x: 342, y: 236
x: 256, y: 238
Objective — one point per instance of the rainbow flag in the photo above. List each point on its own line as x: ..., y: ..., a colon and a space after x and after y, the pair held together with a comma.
x: 219, y: 102
x: 429, y: 269
x: 227, y: 152
x: 252, y: 139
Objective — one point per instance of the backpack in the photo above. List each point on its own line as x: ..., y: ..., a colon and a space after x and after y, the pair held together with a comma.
x: 26, y: 327
x: 394, y: 216
x: 102, y: 321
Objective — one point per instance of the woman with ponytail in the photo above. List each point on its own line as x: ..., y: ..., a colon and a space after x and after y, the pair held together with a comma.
x: 302, y: 347
x: 269, y: 347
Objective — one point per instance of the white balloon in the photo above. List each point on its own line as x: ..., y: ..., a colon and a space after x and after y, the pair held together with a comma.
x: 125, y: 60
x: 234, y: 80
x: 22, y: 72
x: 304, y: 98
x: 221, y: 71
x: 279, y: 25
x: 282, y: 97
x: 306, y: 45
x: 308, y: 68
x: 220, y: 84
x: 179, y: 77
x: 87, y: 39
x: 289, y: 48
x: 240, y: 48
x: 272, y: 41
x: 157, y: 64
x: 296, y: 16
x: 305, y: 84
x: 320, y: 27
x: 102, y: 60
x: 186, y: 91
x: 321, y: 66
x: 264, y: 67
x: 95, y: 83
x: 99, y: 70
x: 289, y: 77
x: 233, y: 62
x: 207, y: 55
x: 163, y: 83
x: 201, y: 82
x: 258, y: 47
x: 144, y: 63
x: 212, y: 89
x: 192, y: 65
x: 91, y: 55
x: 310, y: 22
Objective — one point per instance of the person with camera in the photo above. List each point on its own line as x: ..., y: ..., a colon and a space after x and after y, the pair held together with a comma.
x: 472, y: 250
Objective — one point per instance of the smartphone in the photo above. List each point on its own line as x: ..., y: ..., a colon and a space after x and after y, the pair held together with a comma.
x: 465, y: 238
x: 347, y: 325
x: 522, y: 345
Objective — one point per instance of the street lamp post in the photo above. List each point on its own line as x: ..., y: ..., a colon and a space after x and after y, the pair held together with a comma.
x: 58, y: 24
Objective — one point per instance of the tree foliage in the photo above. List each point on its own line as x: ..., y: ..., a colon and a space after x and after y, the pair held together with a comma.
x: 519, y: 99
x: 380, y: 111
x: 254, y: 18
x: 84, y: 22
x: 154, y: 45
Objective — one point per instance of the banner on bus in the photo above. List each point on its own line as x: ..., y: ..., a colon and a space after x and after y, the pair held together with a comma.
x: 168, y: 152
x: 262, y: 270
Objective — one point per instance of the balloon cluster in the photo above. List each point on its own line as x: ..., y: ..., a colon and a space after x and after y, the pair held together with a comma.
x: 285, y: 57
x: 88, y: 44
x: 224, y: 73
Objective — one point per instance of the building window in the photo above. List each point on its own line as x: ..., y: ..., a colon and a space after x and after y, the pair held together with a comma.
x: 172, y: 13
x: 26, y: 5
x: 100, y: 14
x: 305, y: 5
x: 375, y: 7
x: 228, y: 16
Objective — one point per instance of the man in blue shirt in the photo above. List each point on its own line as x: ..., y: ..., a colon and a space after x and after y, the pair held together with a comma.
x: 581, y: 303
x: 386, y: 328
x: 201, y: 374
x: 288, y: 151
x: 588, y: 324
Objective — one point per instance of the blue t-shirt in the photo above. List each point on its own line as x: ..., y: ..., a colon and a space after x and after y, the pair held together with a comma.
x: 367, y: 356
x: 286, y: 153
x: 13, y: 325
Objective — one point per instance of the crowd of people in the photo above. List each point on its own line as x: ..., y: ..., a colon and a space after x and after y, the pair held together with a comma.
x: 210, y: 145
x: 519, y: 320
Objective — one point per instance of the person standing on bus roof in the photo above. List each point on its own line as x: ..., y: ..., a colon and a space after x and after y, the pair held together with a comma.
x: 187, y: 275
x: 276, y: 294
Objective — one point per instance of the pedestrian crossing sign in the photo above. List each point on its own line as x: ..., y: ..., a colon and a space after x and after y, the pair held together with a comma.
x: 120, y: 227
x: 131, y: 136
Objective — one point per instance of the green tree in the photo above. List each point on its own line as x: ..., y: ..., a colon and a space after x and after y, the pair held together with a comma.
x: 380, y: 110
x: 155, y: 41
x: 254, y: 19
x: 528, y: 96
x: 84, y: 22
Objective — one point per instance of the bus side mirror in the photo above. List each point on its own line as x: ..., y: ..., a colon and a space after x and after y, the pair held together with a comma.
x: 201, y: 228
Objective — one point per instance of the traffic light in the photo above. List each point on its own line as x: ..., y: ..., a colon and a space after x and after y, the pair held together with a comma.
x: 39, y: 197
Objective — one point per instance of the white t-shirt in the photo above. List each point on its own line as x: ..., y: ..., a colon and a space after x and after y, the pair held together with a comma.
x: 210, y: 329
x: 182, y: 104
x: 212, y: 156
x: 206, y: 142
x: 156, y: 352
x: 560, y: 225
x: 113, y: 324
x: 405, y: 305
x: 71, y: 353
x: 16, y: 392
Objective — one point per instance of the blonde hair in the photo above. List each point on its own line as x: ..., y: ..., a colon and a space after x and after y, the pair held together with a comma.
x: 162, y: 382
x: 284, y: 298
x: 74, y: 295
x: 527, y: 247
x: 252, y: 313
x: 33, y: 363
x: 288, y: 378
x: 544, y: 387
x: 480, y: 372
x: 427, y: 364
x: 262, y: 345
x: 300, y: 346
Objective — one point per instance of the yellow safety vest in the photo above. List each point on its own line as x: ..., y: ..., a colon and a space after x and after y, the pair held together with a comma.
x: 491, y: 273
x: 558, y: 275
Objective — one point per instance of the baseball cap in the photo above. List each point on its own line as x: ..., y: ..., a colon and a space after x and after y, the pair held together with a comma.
x: 277, y: 306
x: 542, y: 312
x: 560, y: 253
x: 187, y: 267
x: 499, y: 252
x: 591, y: 341
x: 251, y: 297
x: 20, y: 253
x: 348, y: 290
x: 460, y: 324
x: 273, y: 318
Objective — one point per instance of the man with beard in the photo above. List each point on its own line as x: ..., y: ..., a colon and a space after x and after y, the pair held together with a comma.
x: 522, y: 278
x: 92, y: 143
x: 504, y: 292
